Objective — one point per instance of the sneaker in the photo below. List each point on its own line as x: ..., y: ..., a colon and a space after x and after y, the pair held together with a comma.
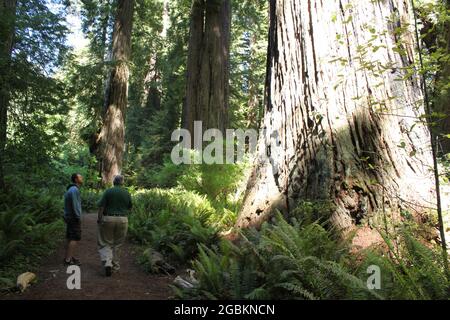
x: 72, y: 262
x: 108, y: 271
x: 76, y: 262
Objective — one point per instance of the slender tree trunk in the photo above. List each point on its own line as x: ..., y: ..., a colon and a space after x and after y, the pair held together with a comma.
x: 208, y: 65
x: 105, y: 6
x: 339, y: 125
x: 105, y: 51
x: 113, y: 130
x: 253, y: 92
x: 151, y: 97
x: 442, y: 102
x: 7, y: 14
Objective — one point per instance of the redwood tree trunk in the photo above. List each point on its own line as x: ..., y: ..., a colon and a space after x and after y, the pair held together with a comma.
x: 339, y: 124
x: 253, y: 94
x: 7, y: 15
x: 443, y: 94
x: 113, y: 129
x: 151, y: 97
x: 208, y: 65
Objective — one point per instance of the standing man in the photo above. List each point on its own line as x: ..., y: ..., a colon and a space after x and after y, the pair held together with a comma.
x: 114, y: 207
x: 72, y: 217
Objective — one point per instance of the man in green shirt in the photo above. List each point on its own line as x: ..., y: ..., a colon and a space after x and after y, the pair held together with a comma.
x: 114, y: 207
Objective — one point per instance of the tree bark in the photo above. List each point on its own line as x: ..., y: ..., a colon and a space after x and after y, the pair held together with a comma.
x: 103, y: 54
x: 151, y: 97
x: 338, y: 124
x: 253, y: 94
x: 442, y: 101
x: 207, y: 89
x: 189, y: 113
x: 7, y: 14
x: 113, y: 129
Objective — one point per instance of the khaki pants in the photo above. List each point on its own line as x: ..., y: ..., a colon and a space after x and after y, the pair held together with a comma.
x: 112, y: 232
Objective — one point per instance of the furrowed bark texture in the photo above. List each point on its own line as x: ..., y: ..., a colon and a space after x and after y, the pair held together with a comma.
x: 443, y: 94
x: 113, y: 130
x: 338, y: 124
x: 208, y: 65
x: 7, y: 14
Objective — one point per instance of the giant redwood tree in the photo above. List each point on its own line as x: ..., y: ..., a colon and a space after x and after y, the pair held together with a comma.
x: 7, y: 17
x: 208, y: 65
x: 343, y: 112
x: 112, y: 136
x: 442, y: 102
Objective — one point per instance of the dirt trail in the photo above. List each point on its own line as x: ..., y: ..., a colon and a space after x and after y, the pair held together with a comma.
x: 130, y: 283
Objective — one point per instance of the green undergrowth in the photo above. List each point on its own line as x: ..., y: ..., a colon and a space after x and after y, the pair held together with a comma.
x: 174, y: 221
x: 30, y: 228
x: 303, y: 258
x: 204, y: 202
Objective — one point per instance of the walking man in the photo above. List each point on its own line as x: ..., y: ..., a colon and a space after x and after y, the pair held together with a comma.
x: 114, y: 207
x: 72, y: 217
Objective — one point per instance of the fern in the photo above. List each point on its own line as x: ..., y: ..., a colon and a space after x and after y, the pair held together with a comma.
x: 29, y: 222
x: 172, y: 222
x: 297, y: 290
x: 303, y: 259
x: 410, y: 270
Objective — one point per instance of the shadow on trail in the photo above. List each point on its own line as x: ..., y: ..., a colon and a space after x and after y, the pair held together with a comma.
x: 130, y: 283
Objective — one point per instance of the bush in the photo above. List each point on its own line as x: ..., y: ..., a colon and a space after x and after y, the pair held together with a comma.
x: 172, y: 222
x: 76, y: 158
x: 162, y: 176
x: 305, y: 259
x: 282, y: 261
x: 215, y: 181
x: 218, y: 182
x: 89, y: 199
x: 410, y: 270
x: 175, y: 221
x: 30, y: 225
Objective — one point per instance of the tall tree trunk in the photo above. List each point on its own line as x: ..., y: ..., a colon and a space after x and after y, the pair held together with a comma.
x: 339, y: 125
x: 113, y: 129
x: 189, y: 113
x: 253, y: 92
x: 151, y: 97
x: 103, y: 54
x: 442, y: 102
x: 7, y: 14
x: 208, y: 65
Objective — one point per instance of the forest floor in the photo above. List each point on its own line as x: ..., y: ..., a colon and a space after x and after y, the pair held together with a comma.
x: 132, y: 282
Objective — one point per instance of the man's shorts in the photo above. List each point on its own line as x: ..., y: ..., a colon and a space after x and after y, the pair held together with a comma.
x: 73, y: 231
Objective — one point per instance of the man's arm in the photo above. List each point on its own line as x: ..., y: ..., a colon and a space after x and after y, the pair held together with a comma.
x: 76, y: 203
x: 101, y: 208
x: 100, y: 214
